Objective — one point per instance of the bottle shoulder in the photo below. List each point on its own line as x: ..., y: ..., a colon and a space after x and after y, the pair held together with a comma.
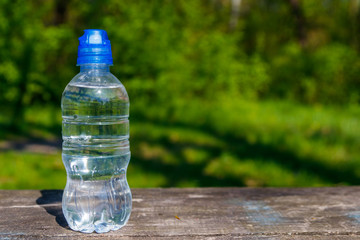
x: 96, y: 80
x: 103, y: 84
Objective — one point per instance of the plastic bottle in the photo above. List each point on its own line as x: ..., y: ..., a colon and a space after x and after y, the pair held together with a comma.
x: 96, y: 150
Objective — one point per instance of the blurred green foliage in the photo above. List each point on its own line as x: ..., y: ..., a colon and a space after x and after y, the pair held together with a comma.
x: 264, y: 94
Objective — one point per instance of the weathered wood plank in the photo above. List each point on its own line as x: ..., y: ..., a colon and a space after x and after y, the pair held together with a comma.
x: 213, y: 213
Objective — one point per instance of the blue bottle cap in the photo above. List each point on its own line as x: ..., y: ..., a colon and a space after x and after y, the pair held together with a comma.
x: 94, y: 47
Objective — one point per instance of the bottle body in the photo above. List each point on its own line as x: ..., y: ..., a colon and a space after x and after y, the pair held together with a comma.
x: 96, y: 151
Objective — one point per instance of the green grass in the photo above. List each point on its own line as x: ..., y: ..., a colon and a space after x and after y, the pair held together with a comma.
x: 24, y: 170
x: 231, y: 143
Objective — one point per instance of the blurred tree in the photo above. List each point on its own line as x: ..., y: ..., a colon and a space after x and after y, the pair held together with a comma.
x: 300, y: 21
x: 169, y: 53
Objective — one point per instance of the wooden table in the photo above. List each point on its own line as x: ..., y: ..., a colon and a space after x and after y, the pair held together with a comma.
x: 198, y: 213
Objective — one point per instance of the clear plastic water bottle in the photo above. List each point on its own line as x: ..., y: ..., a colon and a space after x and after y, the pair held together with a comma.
x: 96, y: 150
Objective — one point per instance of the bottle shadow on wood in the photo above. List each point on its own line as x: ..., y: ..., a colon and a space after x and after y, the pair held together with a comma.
x: 50, y: 200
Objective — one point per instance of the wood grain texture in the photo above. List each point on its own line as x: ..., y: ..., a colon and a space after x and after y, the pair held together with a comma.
x: 198, y: 213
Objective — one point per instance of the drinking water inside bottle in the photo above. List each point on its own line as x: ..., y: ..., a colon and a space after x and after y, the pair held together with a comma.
x: 96, y: 154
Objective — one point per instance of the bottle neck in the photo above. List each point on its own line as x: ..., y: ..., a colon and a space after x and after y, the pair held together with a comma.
x: 95, y: 68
